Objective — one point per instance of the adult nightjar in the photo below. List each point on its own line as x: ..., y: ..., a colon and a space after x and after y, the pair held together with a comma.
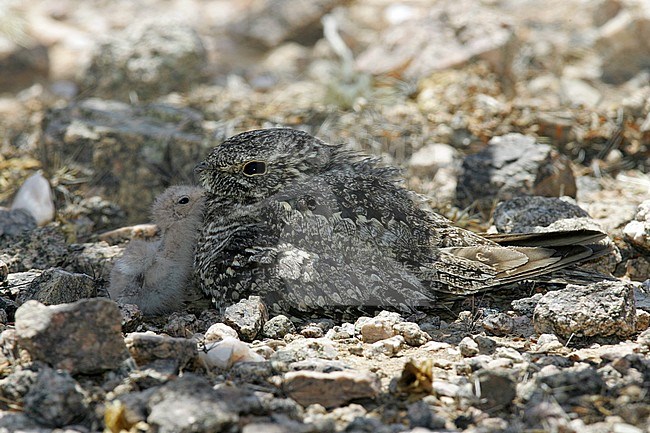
x: 315, y: 228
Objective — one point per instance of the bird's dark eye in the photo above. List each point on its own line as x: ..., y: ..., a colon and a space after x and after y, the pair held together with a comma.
x: 184, y: 200
x: 253, y: 168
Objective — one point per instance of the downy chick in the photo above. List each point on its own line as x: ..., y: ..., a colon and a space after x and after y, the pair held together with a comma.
x: 154, y: 275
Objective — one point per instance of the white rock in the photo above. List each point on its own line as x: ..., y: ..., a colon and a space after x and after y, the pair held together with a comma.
x: 578, y: 92
x: 548, y: 343
x: 218, y: 332
x: 445, y: 388
x: 379, y: 327
x: 428, y: 159
x: 389, y: 346
x: 468, y: 347
x: 635, y: 231
x: 434, y: 346
x: 225, y: 353
x: 35, y: 196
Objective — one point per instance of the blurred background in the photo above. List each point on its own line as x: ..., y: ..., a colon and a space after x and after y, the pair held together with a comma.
x: 115, y: 100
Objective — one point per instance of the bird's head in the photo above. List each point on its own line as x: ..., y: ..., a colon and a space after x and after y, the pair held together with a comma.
x: 254, y: 165
x: 180, y: 203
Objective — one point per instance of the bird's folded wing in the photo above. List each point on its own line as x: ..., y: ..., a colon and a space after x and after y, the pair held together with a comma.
x: 547, y: 239
x: 486, y: 266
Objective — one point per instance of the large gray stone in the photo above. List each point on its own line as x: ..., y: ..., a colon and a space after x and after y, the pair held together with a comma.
x: 513, y: 165
x: 56, y: 399
x: 56, y: 286
x: 82, y: 337
x: 330, y: 389
x: 190, y: 405
x: 247, y: 317
x: 605, y: 309
x: 41, y: 248
x: 160, y: 351
x: 534, y: 213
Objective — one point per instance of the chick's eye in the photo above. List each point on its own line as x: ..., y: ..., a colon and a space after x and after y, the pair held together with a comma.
x: 253, y: 168
x: 184, y: 200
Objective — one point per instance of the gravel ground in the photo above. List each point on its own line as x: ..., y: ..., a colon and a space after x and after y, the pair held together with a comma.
x: 507, y: 116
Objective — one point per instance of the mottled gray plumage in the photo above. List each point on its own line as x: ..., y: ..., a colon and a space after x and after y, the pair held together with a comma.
x: 316, y: 228
x: 154, y: 275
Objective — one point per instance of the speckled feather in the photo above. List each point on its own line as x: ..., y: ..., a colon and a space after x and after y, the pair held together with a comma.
x: 316, y: 228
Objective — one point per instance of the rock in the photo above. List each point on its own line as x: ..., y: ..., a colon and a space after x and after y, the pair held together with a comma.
x: 387, y: 347
x: 15, y: 221
x: 468, y: 347
x: 494, y: 388
x: 218, y: 332
x: 56, y: 286
x: 16, y: 282
x: 181, y: 324
x: 275, y: 21
x: 576, y: 92
x: 567, y: 384
x: 277, y: 327
x: 536, y: 214
x: 446, y: 35
x: 343, y: 332
x: 4, y: 271
x: 82, y: 337
x: 421, y: 414
x: 315, y: 364
x: 131, y: 317
x: 379, y: 327
x: 163, y: 353
x: 644, y: 339
x: 146, y: 59
x: 132, y: 153
x: 123, y: 234
x: 247, y: 317
x: 531, y: 214
x: 41, y: 248
x: 637, y: 268
x: 548, y: 343
x: 190, y: 404
x: 16, y: 385
x: 96, y: 258
x: 94, y: 214
x: 637, y: 232
x: 486, y: 345
x: 526, y: 306
x: 35, y: 196
x: 599, y: 310
x: 429, y: 158
x: 56, y: 399
x: 223, y: 354
x: 412, y: 333
x: 311, y: 330
x: 513, y: 165
x: 642, y: 320
x: 620, y: 45
x: 330, y: 389
x: 304, y: 348
x: 499, y: 324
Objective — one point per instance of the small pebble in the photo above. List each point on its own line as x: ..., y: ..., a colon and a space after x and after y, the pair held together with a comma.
x: 468, y: 347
